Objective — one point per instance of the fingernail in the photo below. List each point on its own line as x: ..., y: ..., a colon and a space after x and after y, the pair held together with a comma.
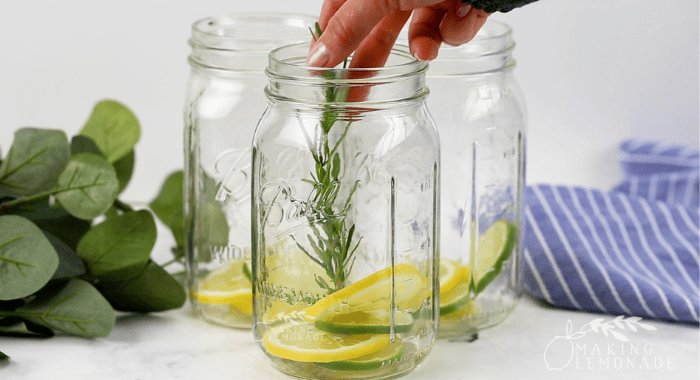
x: 318, y: 56
x: 463, y: 10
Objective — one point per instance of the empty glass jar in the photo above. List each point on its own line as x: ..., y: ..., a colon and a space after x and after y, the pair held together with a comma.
x: 345, y: 219
x: 480, y: 113
x: 225, y: 97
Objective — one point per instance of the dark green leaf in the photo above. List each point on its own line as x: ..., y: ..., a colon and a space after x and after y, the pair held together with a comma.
x: 35, y: 159
x: 27, y: 259
x: 74, y: 307
x: 14, y: 326
x: 119, y: 247
x: 168, y: 205
x: 58, y: 222
x: 124, y: 168
x: 84, y: 144
x: 153, y: 290
x: 88, y: 186
x: 69, y: 263
x: 3, y: 356
x: 114, y: 128
x: 10, y: 305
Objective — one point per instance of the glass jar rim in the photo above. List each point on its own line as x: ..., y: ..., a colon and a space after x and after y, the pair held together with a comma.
x: 215, y: 32
x: 495, y: 37
x: 289, y: 63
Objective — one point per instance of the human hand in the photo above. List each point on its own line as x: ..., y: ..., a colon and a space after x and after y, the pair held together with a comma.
x: 370, y: 28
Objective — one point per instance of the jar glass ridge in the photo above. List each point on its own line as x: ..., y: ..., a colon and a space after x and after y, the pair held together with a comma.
x: 345, y: 218
x: 223, y: 104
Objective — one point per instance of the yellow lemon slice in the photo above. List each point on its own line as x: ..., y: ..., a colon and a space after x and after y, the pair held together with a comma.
x: 451, y: 274
x: 303, y: 342
x: 227, y: 285
x: 455, y: 299
x: 374, y: 292
x: 376, y: 360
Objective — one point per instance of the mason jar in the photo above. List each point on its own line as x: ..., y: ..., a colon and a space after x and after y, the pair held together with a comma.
x: 481, y: 120
x: 225, y: 97
x: 345, y: 218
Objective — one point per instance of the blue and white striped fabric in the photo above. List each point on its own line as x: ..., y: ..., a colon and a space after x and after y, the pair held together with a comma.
x: 634, y: 250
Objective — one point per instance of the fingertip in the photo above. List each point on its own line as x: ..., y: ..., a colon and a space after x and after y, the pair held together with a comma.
x: 424, y: 48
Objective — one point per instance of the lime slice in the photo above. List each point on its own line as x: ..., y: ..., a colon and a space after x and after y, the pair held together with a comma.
x: 227, y: 285
x: 374, y: 292
x: 364, y: 322
x: 450, y: 274
x: 383, y: 357
x: 455, y: 299
x: 471, y: 308
x: 495, y: 247
x: 303, y: 342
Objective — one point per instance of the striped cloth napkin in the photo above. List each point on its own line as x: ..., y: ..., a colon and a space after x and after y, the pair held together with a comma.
x: 633, y: 250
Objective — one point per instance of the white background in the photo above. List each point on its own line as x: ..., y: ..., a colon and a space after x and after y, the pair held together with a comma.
x: 594, y: 72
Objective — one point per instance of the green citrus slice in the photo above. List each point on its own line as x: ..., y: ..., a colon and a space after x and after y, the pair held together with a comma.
x: 450, y: 274
x: 383, y: 357
x: 303, y: 342
x: 374, y: 292
x: 495, y: 247
x: 455, y: 299
x: 364, y: 322
x: 227, y: 285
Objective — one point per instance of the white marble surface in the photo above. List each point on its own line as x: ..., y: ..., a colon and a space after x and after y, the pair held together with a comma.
x: 176, y: 345
x: 173, y: 345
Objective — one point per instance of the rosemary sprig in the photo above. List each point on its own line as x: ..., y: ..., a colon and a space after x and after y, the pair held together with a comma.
x: 332, y: 240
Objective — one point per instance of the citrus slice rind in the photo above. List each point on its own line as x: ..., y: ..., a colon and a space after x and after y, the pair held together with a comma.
x: 226, y: 285
x: 455, y: 299
x: 374, y: 292
x: 450, y: 274
x: 303, y: 342
x: 364, y: 322
x: 495, y: 247
x: 389, y: 354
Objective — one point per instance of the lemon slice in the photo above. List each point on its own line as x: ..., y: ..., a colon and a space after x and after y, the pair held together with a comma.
x: 383, y: 357
x: 455, y: 299
x: 374, y: 292
x: 495, y: 247
x: 364, y: 322
x: 303, y: 342
x: 450, y: 274
x: 227, y: 285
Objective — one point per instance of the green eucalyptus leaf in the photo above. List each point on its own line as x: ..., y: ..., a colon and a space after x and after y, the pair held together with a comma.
x: 114, y: 128
x: 124, y: 168
x: 152, y: 290
x: 88, y: 186
x: 58, y: 222
x: 69, y: 263
x: 74, y: 307
x: 27, y: 259
x: 35, y: 159
x: 84, y: 144
x: 14, y: 326
x: 119, y: 247
x: 168, y: 205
